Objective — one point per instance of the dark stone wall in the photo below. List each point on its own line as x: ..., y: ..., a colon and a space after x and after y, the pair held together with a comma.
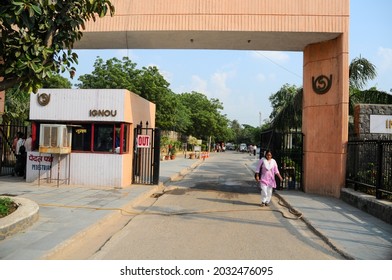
x: 362, y: 114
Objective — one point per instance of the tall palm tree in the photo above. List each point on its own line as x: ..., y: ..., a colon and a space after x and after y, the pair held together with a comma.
x: 289, y: 113
x: 360, y: 71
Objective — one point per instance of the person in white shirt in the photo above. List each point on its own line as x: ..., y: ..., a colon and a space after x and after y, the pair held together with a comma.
x: 28, y: 143
x: 20, y: 143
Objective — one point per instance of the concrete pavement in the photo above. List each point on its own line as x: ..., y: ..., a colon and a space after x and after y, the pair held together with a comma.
x: 69, y: 212
x: 352, y: 232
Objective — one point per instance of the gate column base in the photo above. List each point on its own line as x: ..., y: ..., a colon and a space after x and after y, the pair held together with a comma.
x: 324, y: 173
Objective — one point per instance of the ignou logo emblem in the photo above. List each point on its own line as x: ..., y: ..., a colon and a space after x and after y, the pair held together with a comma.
x: 322, y: 84
x: 43, y: 99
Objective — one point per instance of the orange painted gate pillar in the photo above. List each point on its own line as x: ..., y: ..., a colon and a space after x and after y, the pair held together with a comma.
x: 325, y: 116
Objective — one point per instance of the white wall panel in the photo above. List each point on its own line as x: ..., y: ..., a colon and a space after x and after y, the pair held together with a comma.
x: 96, y: 169
x: 76, y: 105
x: 101, y: 170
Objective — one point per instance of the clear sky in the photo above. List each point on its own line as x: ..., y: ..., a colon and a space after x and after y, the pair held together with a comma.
x: 243, y: 80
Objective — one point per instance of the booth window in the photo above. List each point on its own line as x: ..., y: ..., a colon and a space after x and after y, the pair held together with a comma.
x: 125, y: 137
x: 81, y: 138
x: 103, y: 137
x: 110, y: 138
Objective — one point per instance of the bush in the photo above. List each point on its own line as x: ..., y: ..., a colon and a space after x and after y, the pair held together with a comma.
x: 6, y: 206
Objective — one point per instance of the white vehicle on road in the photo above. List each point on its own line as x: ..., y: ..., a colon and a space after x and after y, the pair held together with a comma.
x: 243, y: 147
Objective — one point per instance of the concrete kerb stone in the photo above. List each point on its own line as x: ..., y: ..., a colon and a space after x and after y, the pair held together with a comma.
x: 380, y: 209
x: 26, y: 214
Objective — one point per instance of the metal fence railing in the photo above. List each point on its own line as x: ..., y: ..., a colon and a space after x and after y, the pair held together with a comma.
x: 369, y: 167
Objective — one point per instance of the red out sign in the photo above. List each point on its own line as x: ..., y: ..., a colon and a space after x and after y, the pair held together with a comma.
x: 143, y: 141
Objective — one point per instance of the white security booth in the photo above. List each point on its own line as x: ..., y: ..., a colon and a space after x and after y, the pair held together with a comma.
x: 85, y: 136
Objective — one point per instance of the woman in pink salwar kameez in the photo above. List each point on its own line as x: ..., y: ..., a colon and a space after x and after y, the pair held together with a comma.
x: 265, y: 171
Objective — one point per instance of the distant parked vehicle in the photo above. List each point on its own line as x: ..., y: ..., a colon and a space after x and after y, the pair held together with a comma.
x: 243, y: 147
x: 230, y: 146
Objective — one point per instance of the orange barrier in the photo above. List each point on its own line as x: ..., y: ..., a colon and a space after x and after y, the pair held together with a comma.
x: 205, y: 155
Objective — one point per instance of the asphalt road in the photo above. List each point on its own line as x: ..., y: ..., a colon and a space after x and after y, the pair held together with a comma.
x: 214, y: 213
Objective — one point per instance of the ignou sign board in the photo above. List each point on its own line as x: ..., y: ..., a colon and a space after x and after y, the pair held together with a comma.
x: 381, y: 124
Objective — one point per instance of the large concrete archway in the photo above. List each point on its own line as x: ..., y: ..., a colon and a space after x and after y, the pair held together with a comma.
x: 317, y: 28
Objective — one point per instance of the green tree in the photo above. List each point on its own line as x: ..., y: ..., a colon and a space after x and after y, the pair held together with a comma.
x: 243, y: 133
x: 249, y: 135
x: 286, y: 108
x: 171, y: 113
x: 360, y: 71
x: 37, y: 37
x: 236, y: 130
x: 112, y: 73
x: 17, y: 105
x: 56, y: 81
x: 205, y: 117
x: 17, y: 102
x: 282, y: 98
x: 372, y: 96
x: 223, y: 133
